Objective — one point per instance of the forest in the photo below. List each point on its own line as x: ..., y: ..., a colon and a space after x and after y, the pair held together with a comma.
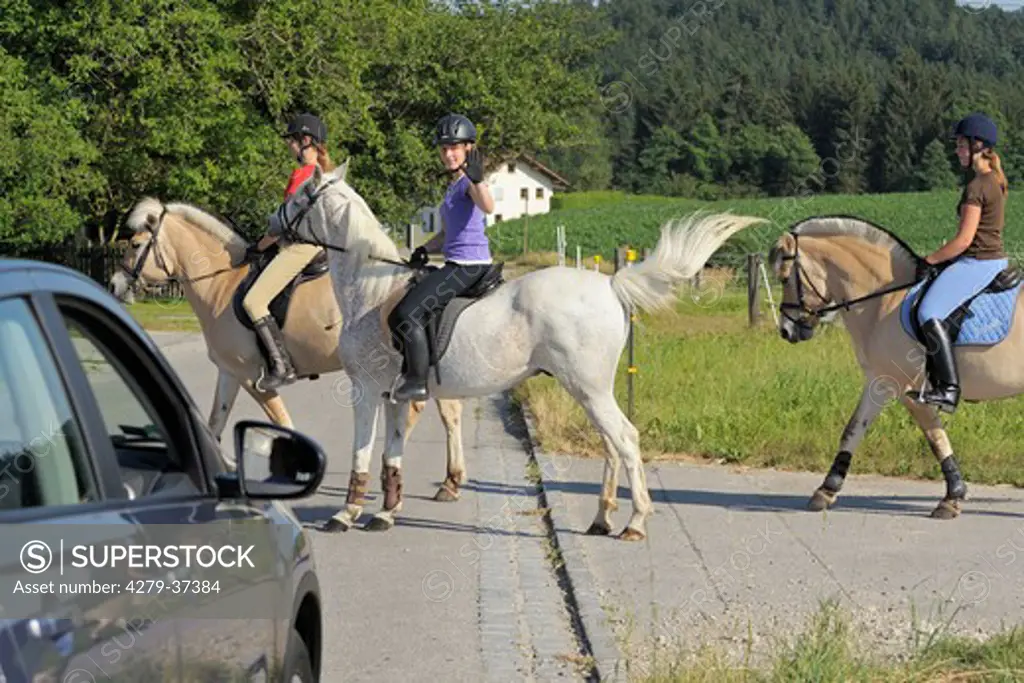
x: 106, y: 102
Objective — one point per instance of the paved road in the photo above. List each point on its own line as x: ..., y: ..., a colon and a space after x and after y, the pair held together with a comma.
x: 462, y: 591
x: 730, y: 550
x: 469, y: 591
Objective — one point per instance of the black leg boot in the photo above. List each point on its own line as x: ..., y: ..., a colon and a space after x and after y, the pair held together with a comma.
x: 279, y: 362
x: 942, y: 374
x: 413, y: 385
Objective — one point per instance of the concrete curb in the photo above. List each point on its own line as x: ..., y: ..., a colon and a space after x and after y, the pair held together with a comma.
x: 609, y: 660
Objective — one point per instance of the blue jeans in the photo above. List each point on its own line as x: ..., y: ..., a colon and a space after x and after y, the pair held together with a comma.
x: 957, y: 283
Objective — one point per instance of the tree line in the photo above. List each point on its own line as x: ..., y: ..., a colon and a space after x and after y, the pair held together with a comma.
x: 107, y: 101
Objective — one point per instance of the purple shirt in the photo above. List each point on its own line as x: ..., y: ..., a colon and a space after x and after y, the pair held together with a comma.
x: 464, y: 239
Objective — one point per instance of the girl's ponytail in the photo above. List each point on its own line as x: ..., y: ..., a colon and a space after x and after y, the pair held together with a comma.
x: 324, y: 159
x: 997, y: 168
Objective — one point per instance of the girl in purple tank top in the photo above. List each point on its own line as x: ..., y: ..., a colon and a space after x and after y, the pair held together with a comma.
x: 463, y: 242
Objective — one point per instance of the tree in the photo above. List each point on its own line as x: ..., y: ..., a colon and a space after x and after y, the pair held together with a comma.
x: 934, y: 172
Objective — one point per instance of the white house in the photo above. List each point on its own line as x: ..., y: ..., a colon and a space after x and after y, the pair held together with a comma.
x: 520, y: 186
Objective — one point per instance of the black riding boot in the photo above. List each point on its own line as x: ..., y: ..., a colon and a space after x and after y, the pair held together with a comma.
x: 413, y: 385
x: 941, y: 364
x: 279, y: 363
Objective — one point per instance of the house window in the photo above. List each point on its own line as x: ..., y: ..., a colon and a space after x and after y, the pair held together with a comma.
x: 540, y: 193
x: 512, y: 168
x: 497, y: 218
x: 431, y: 221
x: 524, y: 193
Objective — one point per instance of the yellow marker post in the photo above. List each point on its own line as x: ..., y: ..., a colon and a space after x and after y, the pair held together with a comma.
x: 630, y: 258
x: 597, y: 262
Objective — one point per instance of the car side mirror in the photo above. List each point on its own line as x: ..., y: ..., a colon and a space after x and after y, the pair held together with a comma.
x: 276, y: 462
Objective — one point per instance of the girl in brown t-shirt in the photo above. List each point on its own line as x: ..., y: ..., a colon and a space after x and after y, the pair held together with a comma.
x: 975, y: 254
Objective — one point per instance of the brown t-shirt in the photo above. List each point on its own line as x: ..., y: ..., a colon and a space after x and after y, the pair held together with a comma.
x: 983, y: 190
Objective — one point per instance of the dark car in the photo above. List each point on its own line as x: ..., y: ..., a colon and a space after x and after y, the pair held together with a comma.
x: 97, y: 429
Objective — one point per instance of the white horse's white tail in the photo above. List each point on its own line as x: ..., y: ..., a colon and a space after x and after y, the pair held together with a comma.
x: 683, y: 249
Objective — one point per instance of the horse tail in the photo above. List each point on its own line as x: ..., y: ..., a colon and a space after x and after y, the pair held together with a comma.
x: 146, y: 213
x: 684, y: 247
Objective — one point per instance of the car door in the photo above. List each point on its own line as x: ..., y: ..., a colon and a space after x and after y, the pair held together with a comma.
x: 51, y: 491
x: 165, y: 458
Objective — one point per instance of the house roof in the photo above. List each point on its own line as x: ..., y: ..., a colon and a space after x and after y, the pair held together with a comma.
x: 493, y: 164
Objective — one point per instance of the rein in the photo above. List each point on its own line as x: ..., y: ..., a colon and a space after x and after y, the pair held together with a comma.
x: 800, y: 304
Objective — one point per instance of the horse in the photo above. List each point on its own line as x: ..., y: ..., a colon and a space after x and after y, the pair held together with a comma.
x: 178, y: 241
x: 869, y: 275
x: 566, y: 323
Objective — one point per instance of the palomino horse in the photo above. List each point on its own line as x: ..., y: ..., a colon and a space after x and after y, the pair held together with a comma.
x: 568, y: 323
x: 847, y: 264
x: 181, y: 242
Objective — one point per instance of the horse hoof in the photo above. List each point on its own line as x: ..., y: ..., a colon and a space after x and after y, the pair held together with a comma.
x: 598, y: 529
x: 947, y: 509
x: 445, y: 495
x: 379, y: 524
x: 821, y: 500
x: 335, y: 525
x: 629, y: 534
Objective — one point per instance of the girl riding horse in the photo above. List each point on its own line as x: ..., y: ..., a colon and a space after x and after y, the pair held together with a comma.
x: 464, y: 244
x: 306, y: 136
x: 976, y: 255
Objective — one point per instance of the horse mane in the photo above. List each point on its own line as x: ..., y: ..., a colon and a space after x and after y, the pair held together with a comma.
x: 835, y: 225
x: 148, y: 210
x: 365, y: 231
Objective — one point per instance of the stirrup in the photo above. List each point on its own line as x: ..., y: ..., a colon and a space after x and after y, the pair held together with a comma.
x: 267, y: 382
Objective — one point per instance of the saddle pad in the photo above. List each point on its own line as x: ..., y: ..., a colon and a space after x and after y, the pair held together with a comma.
x: 989, y: 321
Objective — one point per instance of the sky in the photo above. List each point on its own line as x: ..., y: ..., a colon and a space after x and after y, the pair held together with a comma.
x: 1005, y: 4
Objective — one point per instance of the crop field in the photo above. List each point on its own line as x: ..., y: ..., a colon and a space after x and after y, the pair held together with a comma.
x: 599, y: 222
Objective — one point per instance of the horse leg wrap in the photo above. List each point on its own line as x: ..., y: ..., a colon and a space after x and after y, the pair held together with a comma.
x: 955, y: 487
x: 837, y: 473
x: 358, y: 483
x: 391, y: 482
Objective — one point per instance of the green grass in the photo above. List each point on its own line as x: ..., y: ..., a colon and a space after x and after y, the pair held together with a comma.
x: 828, y: 652
x: 173, y: 315
x: 709, y: 387
x: 600, y: 222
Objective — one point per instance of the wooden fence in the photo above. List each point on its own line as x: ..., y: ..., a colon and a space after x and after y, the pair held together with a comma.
x: 98, y: 262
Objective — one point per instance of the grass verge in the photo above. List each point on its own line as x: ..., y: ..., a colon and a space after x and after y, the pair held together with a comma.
x: 173, y: 315
x: 710, y: 388
x: 828, y: 652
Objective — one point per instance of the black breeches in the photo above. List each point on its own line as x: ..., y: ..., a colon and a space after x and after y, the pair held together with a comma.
x: 436, y: 289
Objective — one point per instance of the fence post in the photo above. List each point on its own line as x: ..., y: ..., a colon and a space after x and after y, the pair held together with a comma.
x: 597, y: 262
x: 753, y: 289
x: 579, y: 257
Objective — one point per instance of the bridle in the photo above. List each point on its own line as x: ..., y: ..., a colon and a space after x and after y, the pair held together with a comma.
x: 289, y: 225
x: 140, y: 260
x: 801, y: 305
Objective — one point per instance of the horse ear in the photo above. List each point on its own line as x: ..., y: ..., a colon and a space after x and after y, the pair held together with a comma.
x: 784, y: 246
x: 343, y: 170
x: 318, y: 175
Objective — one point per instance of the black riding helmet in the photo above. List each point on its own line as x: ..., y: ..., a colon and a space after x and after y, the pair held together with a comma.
x: 307, y: 124
x: 454, y: 128
x: 976, y: 126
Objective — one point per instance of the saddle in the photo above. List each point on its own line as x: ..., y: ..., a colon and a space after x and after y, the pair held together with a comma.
x: 257, y: 261
x: 441, y: 323
x: 983, y: 319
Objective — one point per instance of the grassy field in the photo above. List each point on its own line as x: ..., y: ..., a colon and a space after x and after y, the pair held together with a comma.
x: 601, y: 221
x: 828, y: 652
x: 710, y: 387
x: 170, y: 315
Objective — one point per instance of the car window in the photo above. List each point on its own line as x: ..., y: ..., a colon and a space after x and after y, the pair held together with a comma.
x: 143, y: 437
x: 43, y: 461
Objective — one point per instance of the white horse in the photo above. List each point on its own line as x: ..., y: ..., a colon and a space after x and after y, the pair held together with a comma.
x: 568, y: 323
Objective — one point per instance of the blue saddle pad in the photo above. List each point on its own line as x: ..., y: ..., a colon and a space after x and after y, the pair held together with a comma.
x: 991, y: 315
